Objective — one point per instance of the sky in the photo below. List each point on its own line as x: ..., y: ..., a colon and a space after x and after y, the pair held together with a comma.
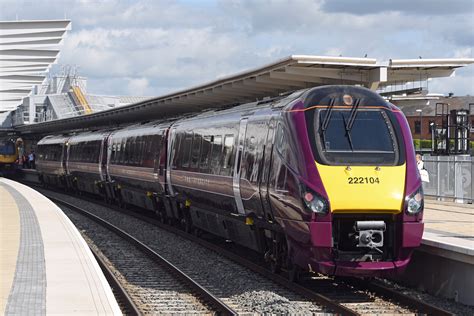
x: 152, y: 47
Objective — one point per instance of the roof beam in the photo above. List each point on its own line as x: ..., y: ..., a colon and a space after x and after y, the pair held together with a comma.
x: 253, y: 82
x: 231, y: 90
x: 288, y: 83
x: 294, y: 77
x: 357, y: 75
x: 259, y: 90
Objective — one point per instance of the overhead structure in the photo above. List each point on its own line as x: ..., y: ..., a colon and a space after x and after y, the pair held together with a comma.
x: 27, y: 51
x: 288, y: 74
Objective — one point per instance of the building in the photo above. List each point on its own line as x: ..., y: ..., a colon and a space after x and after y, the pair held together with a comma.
x: 425, y: 112
x: 64, y: 96
x: 28, y: 93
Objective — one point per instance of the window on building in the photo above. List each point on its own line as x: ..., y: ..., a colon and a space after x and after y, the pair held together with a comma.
x: 417, y: 127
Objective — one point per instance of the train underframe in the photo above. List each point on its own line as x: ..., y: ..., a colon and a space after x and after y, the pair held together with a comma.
x: 330, y: 248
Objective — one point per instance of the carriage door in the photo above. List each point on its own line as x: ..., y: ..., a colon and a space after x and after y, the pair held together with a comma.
x: 266, y: 168
x: 64, y: 157
x: 104, y: 155
x: 237, y: 164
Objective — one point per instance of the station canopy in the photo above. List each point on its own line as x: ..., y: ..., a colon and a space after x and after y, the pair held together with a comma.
x: 289, y: 74
x: 27, y: 51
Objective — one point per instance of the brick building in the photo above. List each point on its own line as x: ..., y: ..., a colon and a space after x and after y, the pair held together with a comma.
x: 421, y: 112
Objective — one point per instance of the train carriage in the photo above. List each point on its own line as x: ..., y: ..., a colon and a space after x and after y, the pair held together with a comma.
x: 9, y: 155
x: 87, y: 161
x: 323, y: 179
x: 51, y: 159
x: 137, y: 165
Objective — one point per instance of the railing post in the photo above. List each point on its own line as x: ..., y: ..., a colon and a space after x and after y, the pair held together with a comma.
x: 438, y: 179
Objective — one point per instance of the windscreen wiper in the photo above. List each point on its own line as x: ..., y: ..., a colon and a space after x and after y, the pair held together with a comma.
x: 325, y: 123
x: 353, y: 115
x: 348, y: 131
x: 351, y: 121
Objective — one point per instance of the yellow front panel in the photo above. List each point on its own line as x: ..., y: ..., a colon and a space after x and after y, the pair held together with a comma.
x: 7, y: 158
x: 364, y: 188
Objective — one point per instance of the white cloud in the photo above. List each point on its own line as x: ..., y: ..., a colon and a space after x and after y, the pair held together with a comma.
x: 172, y: 45
x: 138, y: 86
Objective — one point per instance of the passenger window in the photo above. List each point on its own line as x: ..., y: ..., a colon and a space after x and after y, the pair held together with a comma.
x: 227, y: 155
x: 177, y: 151
x: 280, y: 181
x: 216, y: 154
x: 196, y: 151
x: 280, y: 140
x: 128, y: 151
x: 148, y: 157
x: 188, y: 143
x: 205, y: 152
x: 119, y: 152
x: 123, y: 157
x: 141, y: 150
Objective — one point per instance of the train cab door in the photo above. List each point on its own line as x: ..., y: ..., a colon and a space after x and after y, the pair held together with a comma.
x: 265, y: 172
x: 237, y: 166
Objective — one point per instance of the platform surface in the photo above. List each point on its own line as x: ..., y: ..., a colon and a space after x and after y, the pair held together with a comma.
x: 449, y: 226
x: 46, y: 266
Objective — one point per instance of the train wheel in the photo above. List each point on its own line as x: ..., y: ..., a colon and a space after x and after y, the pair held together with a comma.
x: 187, y: 224
x: 197, y: 232
x: 274, y: 266
x: 294, y: 273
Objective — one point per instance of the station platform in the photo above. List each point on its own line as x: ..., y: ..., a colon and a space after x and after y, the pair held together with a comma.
x: 450, y: 226
x: 444, y: 263
x: 46, y: 266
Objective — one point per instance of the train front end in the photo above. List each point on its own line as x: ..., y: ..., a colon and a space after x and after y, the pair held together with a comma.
x: 362, y: 185
x: 8, y: 157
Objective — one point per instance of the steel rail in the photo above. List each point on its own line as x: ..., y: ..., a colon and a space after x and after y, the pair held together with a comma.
x: 125, y: 299
x: 308, y: 293
x: 302, y: 290
x: 405, y: 299
x: 215, y: 302
x: 299, y: 289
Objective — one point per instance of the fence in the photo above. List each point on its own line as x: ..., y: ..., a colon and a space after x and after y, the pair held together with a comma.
x: 450, y: 177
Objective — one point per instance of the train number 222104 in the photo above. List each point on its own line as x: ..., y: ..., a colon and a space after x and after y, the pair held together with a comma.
x: 363, y: 180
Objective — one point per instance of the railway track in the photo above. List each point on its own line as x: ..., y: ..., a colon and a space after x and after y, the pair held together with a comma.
x: 342, y: 296
x: 231, y: 291
x: 126, y: 303
x: 176, y: 291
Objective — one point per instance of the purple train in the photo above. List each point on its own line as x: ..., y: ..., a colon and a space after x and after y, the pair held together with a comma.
x: 323, y: 179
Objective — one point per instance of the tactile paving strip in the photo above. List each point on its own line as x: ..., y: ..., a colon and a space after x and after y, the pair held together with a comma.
x: 28, y: 292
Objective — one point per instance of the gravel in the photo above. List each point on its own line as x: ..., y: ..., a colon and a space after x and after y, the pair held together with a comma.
x: 152, y: 288
x: 241, y: 289
x: 449, y: 305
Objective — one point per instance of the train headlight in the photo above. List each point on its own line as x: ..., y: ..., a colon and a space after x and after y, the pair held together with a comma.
x: 315, y: 203
x: 415, y: 202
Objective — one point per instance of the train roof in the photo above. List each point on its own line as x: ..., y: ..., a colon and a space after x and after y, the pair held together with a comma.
x: 141, y: 129
x: 323, y: 95
x: 88, y: 136
x: 54, y: 139
x: 276, y: 102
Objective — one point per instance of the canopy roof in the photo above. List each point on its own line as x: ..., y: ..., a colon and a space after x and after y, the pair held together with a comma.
x: 292, y: 73
x: 27, y: 51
